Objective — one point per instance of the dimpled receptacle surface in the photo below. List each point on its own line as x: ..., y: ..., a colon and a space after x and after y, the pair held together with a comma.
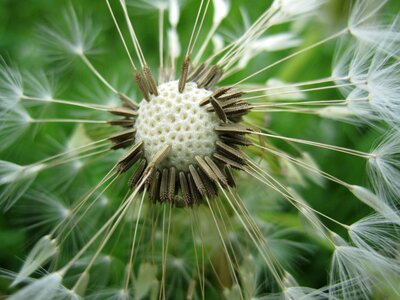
x: 177, y: 119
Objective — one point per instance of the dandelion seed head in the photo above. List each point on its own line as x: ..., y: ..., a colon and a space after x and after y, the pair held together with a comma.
x: 183, y: 146
x: 176, y: 119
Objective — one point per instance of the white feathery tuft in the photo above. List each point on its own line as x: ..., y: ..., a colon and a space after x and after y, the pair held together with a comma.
x: 43, y: 250
x: 15, y: 181
x: 8, y: 171
x: 305, y: 293
x: 383, y: 85
x: 45, y: 210
x: 173, y: 43
x: 373, y: 201
x: 364, y: 26
x: 375, y: 79
x: 221, y: 10
x: 218, y: 42
x: 11, y: 85
x: 309, y: 215
x: 289, y: 10
x: 384, y: 167
x: 97, y: 93
x: 174, y: 13
x: 331, y: 292
x: 72, y: 36
x: 13, y: 122
x: 314, y: 176
x: 359, y: 104
x: 288, y: 92
x: 364, y: 268
x: 271, y: 43
x: 46, y: 287
x: 363, y: 11
x: 342, y: 58
x: 40, y: 85
x: 377, y: 234
x: 335, y: 112
x: 351, y: 64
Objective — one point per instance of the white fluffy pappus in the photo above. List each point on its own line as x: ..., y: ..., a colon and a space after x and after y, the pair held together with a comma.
x: 384, y: 167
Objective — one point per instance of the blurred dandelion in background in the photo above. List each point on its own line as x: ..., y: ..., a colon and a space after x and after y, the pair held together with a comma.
x: 210, y: 149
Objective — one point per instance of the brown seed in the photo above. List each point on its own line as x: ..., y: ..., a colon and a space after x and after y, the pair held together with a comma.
x: 217, y: 171
x: 194, y: 76
x: 137, y: 174
x: 197, y: 180
x: 128, y: 102
x: 221, y: 91
x: 194, y: 193
x: 228, y: 161
x: 238, y: 109
x: 230, y: 152
x: 155, y: 187
x: 207, y: 76
x: 171, y: 184
x: 214, y: 80
x: 122, y: 122
x: 159, y: 156
x: 184, y: 74
x: 149, y: 175
x: 235, y: 139
x: 232, y: 128
x: 206, y: 169
x: 123, y: 135
x: 202, y: 73
x: 164, y: 186
x: 155, y: 161
x: 123, y: 144
x: 216, y: 95
x: 126, y: 165
x: 229, y: 176
x: 131, y: 152
x: 142, y: 85
x: 185, y: 188
x: 209, y: 185
x: 151, y: 81
x: 123, y: 111
x: 233, y: 95
x: 226, y: 103
x: 218, y: 110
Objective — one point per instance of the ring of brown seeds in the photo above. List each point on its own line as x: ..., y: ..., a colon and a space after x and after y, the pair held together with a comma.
x: 199, y: 176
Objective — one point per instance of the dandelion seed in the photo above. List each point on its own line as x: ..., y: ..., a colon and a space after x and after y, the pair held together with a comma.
x: 11, y: 85
x: 45, y: 287
x: 183, y: 189
x: 71, y: 37
x: 16, y: 180
x: 384, y: 167
x: 44, y: 249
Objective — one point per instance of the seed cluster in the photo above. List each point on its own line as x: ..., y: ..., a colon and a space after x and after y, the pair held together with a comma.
x: 185, y: 138
x: 177, y: 119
